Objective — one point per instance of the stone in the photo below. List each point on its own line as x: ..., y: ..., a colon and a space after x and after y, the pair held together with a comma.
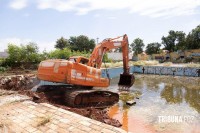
x: 130, y: 102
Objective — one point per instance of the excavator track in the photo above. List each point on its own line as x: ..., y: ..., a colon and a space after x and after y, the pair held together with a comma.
x: 76, y: 97
x: 90, y: 98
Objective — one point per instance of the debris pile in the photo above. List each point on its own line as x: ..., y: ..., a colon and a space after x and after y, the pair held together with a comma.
x: 17, y: 82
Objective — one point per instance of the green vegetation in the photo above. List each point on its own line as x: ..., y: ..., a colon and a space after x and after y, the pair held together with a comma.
x: 167, y: 63
x: 153, y: 48
x: 106, y: 59
x: 131, y: 63
x: 22, y: 55
x: 81, y: 43
x: 178, y: 40
x: 137, y: 46
x: 28, y: 55
x: 112, y: 64
x: 76, y: 43
x: 193, y: 65
x: 2, y: 69
x: 145, y: 63
x: 174, y: 41
x: 62, y: 43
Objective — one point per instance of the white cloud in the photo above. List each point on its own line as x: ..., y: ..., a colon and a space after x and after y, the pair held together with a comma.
x: 18, y: 4
x: 112, y: 17
x: 151, y: 8
x: 43, y: 45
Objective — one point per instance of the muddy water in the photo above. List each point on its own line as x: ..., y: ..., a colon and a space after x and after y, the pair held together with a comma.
x: 163, y: 104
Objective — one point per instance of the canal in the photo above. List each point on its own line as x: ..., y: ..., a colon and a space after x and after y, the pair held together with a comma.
x: 163, y: 104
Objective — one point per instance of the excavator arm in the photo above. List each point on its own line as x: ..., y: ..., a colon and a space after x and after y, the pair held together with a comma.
x: 95, y: 60
x: 96, y: 57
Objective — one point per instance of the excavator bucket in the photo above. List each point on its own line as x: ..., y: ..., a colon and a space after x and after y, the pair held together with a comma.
x: 126, y: 80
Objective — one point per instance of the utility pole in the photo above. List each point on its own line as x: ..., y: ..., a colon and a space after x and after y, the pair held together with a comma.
x: 97, y: 40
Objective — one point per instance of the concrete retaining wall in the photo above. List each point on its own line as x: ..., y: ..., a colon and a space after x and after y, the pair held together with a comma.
x: 159, y: 70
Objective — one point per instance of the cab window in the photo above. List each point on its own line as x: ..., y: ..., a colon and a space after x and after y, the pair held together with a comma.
x: 72, y: 59
x: 84, y: 61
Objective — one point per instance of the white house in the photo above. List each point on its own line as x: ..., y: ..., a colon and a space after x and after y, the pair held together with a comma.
x: 4, y: 54
x: 117, y: 56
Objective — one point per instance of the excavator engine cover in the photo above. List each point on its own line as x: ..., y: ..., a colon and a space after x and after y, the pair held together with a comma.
x: 126, y: 80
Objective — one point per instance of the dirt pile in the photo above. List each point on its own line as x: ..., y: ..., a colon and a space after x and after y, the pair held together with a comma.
x: 18, y: 82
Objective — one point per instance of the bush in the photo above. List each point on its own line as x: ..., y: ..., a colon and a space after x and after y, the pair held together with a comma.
x: 106, y: 59
x: 66, y: 53
x: 60, y: 54
x: 188, y: 59
x: 23, y: 54
x: 2, y: 69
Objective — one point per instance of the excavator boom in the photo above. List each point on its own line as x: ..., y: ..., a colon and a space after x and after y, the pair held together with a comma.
x: 126, y: 79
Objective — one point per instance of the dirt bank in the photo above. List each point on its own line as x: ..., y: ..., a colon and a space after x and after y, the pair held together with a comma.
x: 24, y: 83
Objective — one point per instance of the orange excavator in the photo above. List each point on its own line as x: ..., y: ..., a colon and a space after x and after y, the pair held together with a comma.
x: 83, y: 74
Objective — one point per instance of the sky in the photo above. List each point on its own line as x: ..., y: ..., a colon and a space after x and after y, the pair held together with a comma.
x: 44, y: 21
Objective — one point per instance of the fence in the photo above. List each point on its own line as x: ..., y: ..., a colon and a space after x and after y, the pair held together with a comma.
x: 158, y: 70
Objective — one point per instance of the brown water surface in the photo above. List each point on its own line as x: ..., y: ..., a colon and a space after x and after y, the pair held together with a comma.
x: 158, y: 96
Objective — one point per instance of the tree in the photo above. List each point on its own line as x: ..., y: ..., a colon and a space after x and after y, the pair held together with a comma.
x: 62, y: 43
x: 174, y: 41
x: 14, y: 53
x: 60, y: 54
x: 29, y: 52
x: 193, y: 39
x: 153, y: 48
x: 169, y: 41
x: 137, y: 46
x: 180, y: 40
x: 81, y: 43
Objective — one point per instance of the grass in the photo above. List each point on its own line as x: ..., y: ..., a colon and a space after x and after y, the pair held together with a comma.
x: 112, y: 64
x: 131, y: 63
x: 193, y: 65
x: 43, y: 120
x: 167, y: 63
x: 145, y: 63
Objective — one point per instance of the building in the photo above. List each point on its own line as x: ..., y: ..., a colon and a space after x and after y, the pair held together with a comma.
x: 117, y: 56
x: 143, y: 56
x: 179, y: 55
x: 4, y: 54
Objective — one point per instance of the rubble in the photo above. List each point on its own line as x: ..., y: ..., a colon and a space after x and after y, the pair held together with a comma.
x: 130, y: 102
x: 16, y: 82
